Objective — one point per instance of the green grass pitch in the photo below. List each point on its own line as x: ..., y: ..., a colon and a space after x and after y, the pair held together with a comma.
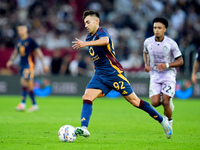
x: 114, y: 125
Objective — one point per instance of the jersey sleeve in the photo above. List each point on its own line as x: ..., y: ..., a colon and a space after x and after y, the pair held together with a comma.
x: 16, y: 46
x: 198, y: 55
x: 145, y: 47
x: 175, y: 50
x: 34, y: 45
x: 102, y: 33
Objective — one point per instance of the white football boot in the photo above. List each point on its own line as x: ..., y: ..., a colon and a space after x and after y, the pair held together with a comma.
x: 166, y: 127
x: 21, y: 107
x: 33, y: 108
x: 82, y: 131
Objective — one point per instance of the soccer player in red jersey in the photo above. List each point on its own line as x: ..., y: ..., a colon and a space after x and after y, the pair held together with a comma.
x: 109, y: 75
x: 26, y: 47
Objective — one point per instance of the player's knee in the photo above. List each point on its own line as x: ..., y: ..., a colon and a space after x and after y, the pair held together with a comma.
x: 86, y: 97
x: 166, y: 102
x: 155, y: 104
x: 30, y: 88
x: 23, y: 83
x: 83, y: 97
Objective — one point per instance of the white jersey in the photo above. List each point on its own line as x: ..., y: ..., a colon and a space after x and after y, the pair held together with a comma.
x: 161, y: 52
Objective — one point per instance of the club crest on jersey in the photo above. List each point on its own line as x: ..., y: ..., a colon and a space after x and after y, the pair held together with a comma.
x: 19, y: 44
x: 165, y: 48
x: 26, y: 44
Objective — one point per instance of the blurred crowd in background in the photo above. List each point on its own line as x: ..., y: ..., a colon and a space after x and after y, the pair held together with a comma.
x: 54, y: 24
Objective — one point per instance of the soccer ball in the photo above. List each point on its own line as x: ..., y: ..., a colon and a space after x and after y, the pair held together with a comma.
x: 67, y: 133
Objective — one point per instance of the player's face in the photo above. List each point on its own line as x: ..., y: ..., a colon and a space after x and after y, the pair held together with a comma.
x: 22, y: 30
x: 159, y: 30
x: 91, y: 24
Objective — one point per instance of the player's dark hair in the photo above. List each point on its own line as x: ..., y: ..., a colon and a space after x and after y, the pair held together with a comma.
x: 21, y: 24
x: 90, y: 13
x: 24, y: 24
x: 162, y: 20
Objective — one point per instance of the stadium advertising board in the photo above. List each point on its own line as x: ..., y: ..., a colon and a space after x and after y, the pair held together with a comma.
x: 75, y: 86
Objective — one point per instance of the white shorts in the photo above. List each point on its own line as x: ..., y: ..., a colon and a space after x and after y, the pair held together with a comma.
x: 167, y: 88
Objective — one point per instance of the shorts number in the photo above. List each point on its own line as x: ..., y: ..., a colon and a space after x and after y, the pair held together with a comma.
x: 167, y: 88
x: 119, y: 85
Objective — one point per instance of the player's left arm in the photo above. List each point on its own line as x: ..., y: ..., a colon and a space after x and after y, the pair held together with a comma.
x: 41, y: 57
x: 178, y: 62
x: 100, y: 42
x: 177, y: 55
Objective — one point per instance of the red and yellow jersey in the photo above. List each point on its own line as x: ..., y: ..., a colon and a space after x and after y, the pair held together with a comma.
x: 26, y: 49
x: 105, y: 62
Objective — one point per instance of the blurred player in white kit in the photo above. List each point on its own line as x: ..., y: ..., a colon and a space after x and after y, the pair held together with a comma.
x: 161, y: 55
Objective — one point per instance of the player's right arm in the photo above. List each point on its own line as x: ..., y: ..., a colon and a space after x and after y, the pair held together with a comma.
x: 194, y: 71
x: 146, y: 58
x: 100, y: 42
x: 147, y: 68
x: 12, y: 58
